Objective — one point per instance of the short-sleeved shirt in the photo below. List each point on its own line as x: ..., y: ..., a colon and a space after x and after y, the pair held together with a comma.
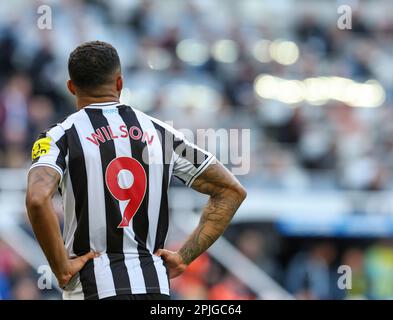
x: 115, y: 164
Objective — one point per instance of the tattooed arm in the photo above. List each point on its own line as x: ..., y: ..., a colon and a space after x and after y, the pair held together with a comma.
x: 226, y: 195
x: 42, y: 184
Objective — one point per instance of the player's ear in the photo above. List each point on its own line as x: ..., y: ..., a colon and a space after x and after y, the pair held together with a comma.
x: 71, y: 87
x: 119, y: 83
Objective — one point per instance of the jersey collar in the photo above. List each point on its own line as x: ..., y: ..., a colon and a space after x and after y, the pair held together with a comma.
x: 104, y: 105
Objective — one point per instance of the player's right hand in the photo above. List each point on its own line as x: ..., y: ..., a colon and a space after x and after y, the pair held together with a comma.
x: 73, y: 266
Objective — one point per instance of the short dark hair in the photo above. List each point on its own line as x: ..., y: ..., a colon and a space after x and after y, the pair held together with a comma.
x: 93, y: 64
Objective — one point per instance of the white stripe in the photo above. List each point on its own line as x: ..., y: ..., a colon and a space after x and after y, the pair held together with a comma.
x: 71, y: 119
x: 161, y: 273
x: 169, y: 181
x: 95, y: 187
x: 155, y: 178
x: 171, y: 168
x: 155, y: 193
x: 130, y: 246
x: 166, y: 236
x: 104, y: 279
x: 70, y: 221
x: 46, y: 164
x: 56, y: 133
x: 96, y: 200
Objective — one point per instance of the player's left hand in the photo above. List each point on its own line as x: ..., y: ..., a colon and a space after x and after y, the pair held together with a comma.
x: 173, y: 261
x: 72, y: 267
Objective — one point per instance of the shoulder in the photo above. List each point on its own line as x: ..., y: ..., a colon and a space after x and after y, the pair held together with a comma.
x: 59, y: 129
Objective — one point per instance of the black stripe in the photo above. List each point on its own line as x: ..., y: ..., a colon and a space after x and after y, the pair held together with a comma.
x: 140, y: 221
x: 114, y: 235
x: 182, y: 180
x: 192, y: 155
x: 88, y: 281
x: 198, y: 171
x: 163, y: 220
x: 78, y: 175
x: 62, y: 145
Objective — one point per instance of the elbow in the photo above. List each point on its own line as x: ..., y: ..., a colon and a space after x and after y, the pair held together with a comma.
x: 35, y: 201
x: 243, y: 193
x: 240, y: 192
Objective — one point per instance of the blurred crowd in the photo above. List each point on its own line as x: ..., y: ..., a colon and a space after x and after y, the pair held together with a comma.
x: 180, y: 66
x: 309, y: 269
x: 192, y: 62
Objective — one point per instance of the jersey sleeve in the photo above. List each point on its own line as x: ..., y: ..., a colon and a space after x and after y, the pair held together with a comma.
x: 189, y: 160
x: 50, y: 150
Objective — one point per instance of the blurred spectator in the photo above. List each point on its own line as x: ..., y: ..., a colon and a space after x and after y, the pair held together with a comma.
x: 13, y: 269
x: 230, y: 288
x: 193, y: 283
x: 14, y: 99
x: 25, y: 288
x: 379, y: 266
x: 252, y: 244
x: 5, y: 290
x: 313, y: 34
x: 7, y: 50
x: 41, y: 116
x: 309, y: 274
x: 354, y: 258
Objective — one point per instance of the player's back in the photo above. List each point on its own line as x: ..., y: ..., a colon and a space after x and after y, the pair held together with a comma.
x: 116, y: 163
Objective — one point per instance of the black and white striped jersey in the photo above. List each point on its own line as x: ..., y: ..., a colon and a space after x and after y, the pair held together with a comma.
x: 115, y: 164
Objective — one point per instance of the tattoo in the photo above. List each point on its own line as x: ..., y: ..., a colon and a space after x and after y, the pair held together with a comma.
x: 226, y: 195
x: 43, y: 175
x: 42, y: 184
x: 43, y: 178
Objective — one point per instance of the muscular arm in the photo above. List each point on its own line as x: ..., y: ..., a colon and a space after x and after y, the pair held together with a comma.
x: 42, y: 184
x: 226, y: 195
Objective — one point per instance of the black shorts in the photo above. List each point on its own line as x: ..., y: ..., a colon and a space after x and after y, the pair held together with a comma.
x: 149, y: 296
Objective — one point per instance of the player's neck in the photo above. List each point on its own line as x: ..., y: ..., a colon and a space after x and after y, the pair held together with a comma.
x: 82, y: 102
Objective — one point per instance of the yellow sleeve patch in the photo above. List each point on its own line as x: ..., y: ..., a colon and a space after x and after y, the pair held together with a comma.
x: 41, y: 147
